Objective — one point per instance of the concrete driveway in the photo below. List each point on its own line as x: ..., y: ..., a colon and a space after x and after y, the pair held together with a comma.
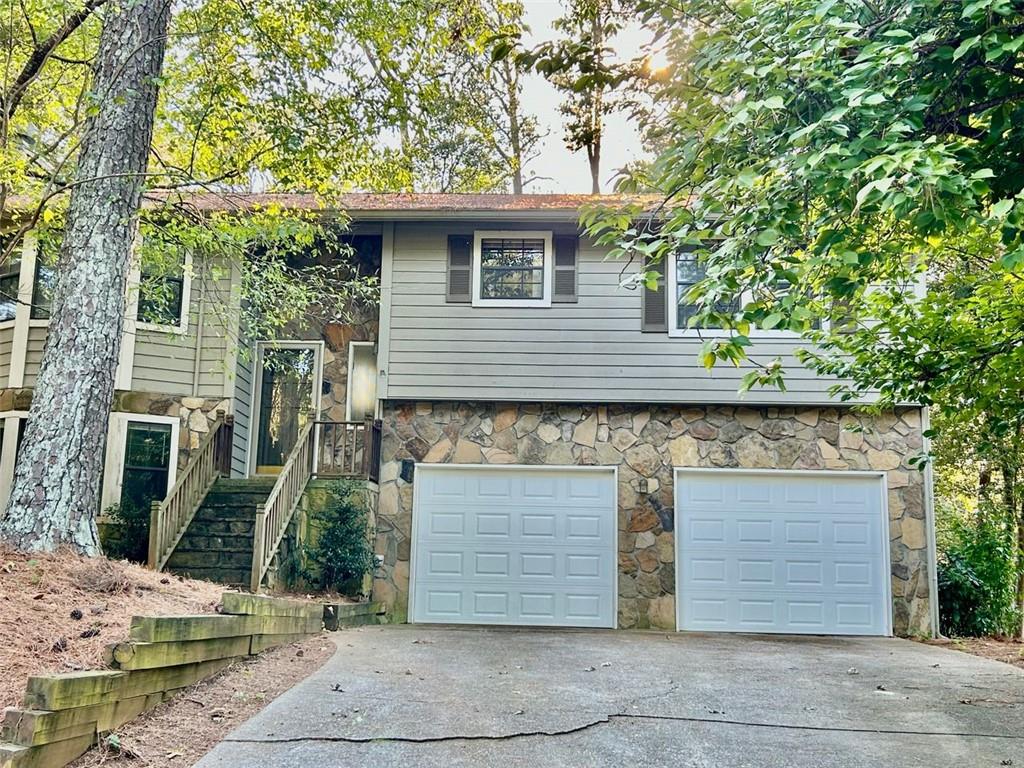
x: 438, y: 696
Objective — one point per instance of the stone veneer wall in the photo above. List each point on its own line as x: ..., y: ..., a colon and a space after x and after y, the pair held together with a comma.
x: 647, y: 442
x: 195, y: 413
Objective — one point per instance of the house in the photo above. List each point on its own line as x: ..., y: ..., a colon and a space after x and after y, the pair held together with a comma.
x: 550, y: 451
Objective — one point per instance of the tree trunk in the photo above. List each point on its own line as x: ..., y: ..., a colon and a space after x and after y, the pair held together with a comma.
x: 514, y: 131
x: 597, y: 103
x: 57, y: 481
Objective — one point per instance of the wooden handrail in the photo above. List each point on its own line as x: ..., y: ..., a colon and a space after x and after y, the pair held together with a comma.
x: 170, y: 518
x: 273, y: 517
x: 347, y: 449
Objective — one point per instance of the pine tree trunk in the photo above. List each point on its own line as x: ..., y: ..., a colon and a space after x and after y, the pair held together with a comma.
x: 57, y: 481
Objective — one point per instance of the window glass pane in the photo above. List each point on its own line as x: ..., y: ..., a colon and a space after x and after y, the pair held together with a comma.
x: 46, y: 278
x: 512, y: 268
x: 689, y: 272
x: 10, y: 272
x: 147, y: 459
x: 161, y: 288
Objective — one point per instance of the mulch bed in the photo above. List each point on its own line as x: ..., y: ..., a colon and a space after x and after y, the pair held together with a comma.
x: 180, y: 731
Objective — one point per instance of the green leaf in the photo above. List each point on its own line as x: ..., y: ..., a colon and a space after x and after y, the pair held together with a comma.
x: 767, y: 237
x: 1003, y: 207
x: 966, y: 47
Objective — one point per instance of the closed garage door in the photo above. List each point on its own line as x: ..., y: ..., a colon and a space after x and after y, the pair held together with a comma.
x: 782, y: 552
x: 514, y: 545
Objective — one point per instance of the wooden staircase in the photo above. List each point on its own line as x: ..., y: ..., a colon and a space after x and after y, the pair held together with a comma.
x: 229, y: 530
x: 218, y: 543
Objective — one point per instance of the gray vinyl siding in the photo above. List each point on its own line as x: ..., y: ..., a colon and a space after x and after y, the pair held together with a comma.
x: 34, y: 353
x: 6, y: 343
x: 591, y: 351
x: 242, y: 409
x: 165, y: 361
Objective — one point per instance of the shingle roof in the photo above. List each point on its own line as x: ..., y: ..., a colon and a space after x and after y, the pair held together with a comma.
x: 412, y: 202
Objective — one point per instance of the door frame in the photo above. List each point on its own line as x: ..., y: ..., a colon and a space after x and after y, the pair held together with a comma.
x: 883, y: 495
x: 257, y: 390
x: 612, y: 469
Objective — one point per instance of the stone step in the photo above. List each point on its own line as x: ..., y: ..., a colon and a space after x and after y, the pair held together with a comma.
x: 228, y: 576
x: 245, y: 485
x: 206, y: 558
x: 224, y: 514
x: 222, y: 527
x: 234, y: 498
x: 198, y: 540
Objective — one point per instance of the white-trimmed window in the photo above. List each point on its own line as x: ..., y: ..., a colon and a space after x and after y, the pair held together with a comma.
x: 164, y: 293
x: 512, y: 268
x: 685, y: 272
x: 142, y: 458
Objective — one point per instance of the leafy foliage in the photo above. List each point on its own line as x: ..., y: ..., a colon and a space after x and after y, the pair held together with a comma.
x: 977, y: 581
x: 126, y: 535
x: 340, y: 552
x: 859, y: 151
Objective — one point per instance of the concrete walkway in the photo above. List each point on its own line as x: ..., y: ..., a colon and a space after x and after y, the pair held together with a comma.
x: 439, y: 696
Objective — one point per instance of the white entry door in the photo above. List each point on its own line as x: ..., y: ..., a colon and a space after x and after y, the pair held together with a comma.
x: 782, y: 551
x: 514, y: 545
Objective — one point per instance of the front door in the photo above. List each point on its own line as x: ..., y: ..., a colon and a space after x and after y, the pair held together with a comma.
x: 288, y: 380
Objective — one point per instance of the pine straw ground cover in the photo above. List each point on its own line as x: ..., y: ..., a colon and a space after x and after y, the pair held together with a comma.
x: 1008, y: 651
x: 180, y: 731
x: 59, y: 612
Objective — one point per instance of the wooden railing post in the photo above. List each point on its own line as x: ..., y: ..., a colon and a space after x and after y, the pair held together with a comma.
x: 154, y: 535
x: 258, y: 537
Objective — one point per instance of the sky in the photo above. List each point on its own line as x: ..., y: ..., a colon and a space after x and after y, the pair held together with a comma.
x: 568, y: 171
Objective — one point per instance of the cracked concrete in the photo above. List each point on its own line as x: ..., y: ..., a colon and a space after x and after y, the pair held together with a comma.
x: 439, y: 696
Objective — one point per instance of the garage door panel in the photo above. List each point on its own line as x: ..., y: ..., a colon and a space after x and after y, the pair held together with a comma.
x: 818, y: 614
x: 781, y: 553
x: 480, y: 604
x: 515, y: 546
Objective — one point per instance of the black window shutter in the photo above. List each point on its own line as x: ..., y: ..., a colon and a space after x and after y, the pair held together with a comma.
x: 460, y: 269
x: 566, y: 277
x: 654, y: 304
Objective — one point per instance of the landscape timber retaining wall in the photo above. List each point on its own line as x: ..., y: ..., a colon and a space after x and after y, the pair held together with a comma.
x: 63, y: 715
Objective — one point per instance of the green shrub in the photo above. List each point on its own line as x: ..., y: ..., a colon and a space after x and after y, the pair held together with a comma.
x: 340, y: 551
x: 126, y: 536
x: 977, y: 574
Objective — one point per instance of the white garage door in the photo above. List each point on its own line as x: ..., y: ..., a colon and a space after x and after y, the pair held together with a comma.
x: 514, y: 546
x: 782, y: 552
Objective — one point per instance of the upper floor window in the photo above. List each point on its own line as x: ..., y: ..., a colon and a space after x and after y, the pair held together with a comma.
x: 10, y: 278
x: 164, y: 285
x: 45, y: 282
x: 689, y: 272
x: 512, y: 269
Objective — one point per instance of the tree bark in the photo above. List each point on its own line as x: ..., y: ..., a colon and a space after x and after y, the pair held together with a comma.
x: 57, y: 481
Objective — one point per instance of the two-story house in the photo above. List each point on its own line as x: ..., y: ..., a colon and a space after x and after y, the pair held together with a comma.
x: 551, y: 451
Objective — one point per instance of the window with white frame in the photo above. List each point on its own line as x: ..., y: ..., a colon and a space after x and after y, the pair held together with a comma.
x: 687, y: 271
x: 141, y: 461
x: 10, y: 278
x: 164, y: 286
x: 512, y: 268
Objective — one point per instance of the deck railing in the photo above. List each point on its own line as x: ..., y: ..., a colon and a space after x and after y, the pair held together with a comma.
x: 170, y: 518
x: 348, y: 449
x: 273, y: 517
